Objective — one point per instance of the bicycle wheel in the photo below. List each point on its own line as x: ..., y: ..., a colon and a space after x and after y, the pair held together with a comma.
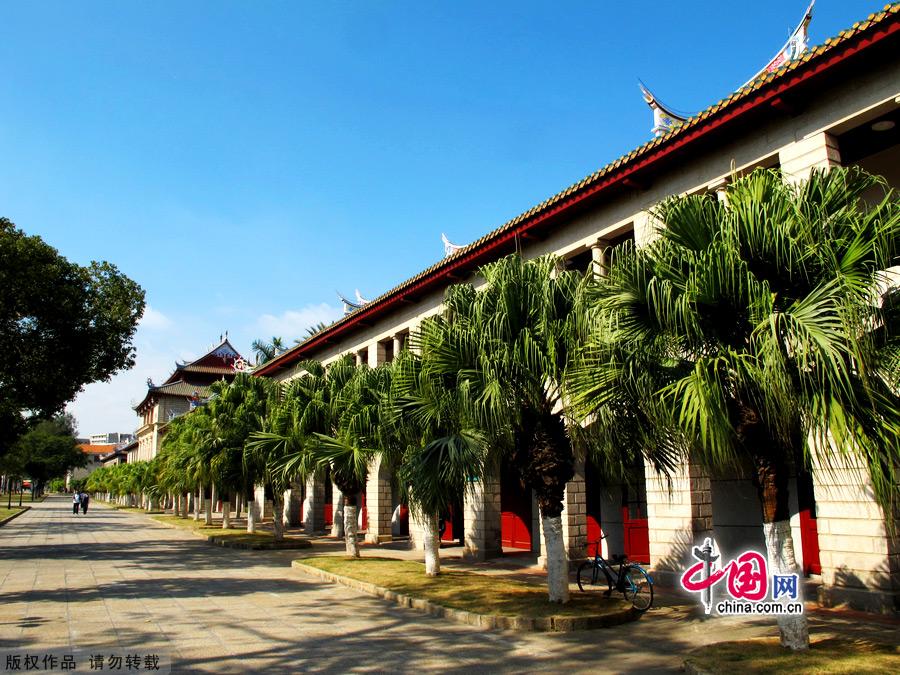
x: 638, y: 588
x: 589, y: 577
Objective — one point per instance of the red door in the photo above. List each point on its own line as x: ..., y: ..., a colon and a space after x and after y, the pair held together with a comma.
x: 515, y: 513
x: 363, y: 517
x: 452, y: 525
x: 634, y: 522
x: 329, y: 515
x: 592, y: 484
x: 809, y: 528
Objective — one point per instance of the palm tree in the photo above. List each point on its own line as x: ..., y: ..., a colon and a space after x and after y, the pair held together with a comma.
x: 266, y: 351
x: 508, y: 346
x: 427, y: 419
x: 326, y: 420
x: 752, y: 334
x: 239, y: 409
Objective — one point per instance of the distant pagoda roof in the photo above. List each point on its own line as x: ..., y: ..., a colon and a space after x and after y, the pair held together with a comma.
x: 217, y: 361
x: 190, y: 379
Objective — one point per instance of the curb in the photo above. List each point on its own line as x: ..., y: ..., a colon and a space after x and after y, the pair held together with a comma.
x: 521, y: 624
x: 241, y: 546
x: 14, y: 516
x: 691, y: 668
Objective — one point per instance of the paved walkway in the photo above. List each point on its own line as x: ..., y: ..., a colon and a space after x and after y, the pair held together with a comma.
x: 117, y: 582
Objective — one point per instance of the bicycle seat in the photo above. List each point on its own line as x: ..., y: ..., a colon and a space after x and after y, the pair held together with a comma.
x: 619, y: 557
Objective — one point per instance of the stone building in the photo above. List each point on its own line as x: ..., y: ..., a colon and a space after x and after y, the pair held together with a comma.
x: 833, y: 105
x: 186, y: 388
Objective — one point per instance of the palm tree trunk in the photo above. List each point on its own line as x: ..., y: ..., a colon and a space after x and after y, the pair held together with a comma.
x: 545, y: 462
x: 226, y: 513
x: 557, y: 562
x: 175, y: 506
x: 208, y: 506
x: 337, y: 518
x: 278, y: 515
x: 252, y: 511
x: 350, y: 528
x: 238, y: 505
x: 197, y: 500
x: 432, y: 546
x: 772, y: 476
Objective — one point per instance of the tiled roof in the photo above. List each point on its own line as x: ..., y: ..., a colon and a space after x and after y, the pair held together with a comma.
x: 89, y: 449
x: 180, y: 388
x: 215, y: 370
x: 680, y: 134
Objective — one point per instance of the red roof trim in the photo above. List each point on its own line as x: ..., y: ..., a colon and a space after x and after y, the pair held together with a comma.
x: 717, y: 119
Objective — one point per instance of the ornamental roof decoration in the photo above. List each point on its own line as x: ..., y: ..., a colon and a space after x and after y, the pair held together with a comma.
x: 351, y: 306
x: 868, y: 35
x: 449, y: 247
x: 793, y: 49
x: 665, y: 119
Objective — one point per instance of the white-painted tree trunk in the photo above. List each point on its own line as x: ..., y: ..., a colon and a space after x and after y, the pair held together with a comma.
x: 350, y: 531
x: 198, y: 497
x: 208, y: 511
x: 337, y: 518
x: 226, y: 515
x: 278, y: 516
x: 175, y: 506
x: 432, y: 546
x: 252, y: 515
x: 780, y: 553
x: 557, y: 564
x: 238, y: 504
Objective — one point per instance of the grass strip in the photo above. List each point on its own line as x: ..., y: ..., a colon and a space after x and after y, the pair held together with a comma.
x: 232, y: 536
x: 9, y: 514
x: 826, y: 656
x: 491, y: 595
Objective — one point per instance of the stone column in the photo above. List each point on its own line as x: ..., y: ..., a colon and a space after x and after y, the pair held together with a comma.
x: 379, y: 502
x: 398, y: 344
x: 314, y: 506
x: 377, y: 354
x: 679, y: 515
x: 481, y: 520
x: 293, y: 504
x: 859, y: 556
x: 799, y: 158
x: 600, y: 256
x: 337, y: 512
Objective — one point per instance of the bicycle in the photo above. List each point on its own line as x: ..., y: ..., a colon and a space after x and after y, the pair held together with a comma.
x: 631, y: 580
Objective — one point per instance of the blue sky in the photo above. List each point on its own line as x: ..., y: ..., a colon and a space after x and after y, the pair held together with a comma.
x: 244, y: 161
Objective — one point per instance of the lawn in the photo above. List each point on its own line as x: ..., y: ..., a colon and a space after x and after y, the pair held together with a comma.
x: 467, y: 591
x: 6, y: 513
x: 260, y: 538
x: 826, y: 656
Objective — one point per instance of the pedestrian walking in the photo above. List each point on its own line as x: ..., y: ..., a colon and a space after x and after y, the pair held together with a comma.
x: 84, y: 502
x: 76, y: 502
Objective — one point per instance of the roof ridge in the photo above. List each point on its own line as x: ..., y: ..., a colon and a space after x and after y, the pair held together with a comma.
x: 745, y: 90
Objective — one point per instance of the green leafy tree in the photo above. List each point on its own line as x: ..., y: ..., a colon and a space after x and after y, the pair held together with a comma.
x: 508, y: 346
x: 328, y: 419
x: 266, y: 351
x: 61, y: 326
x: 429, y: 422
x: 748, y: 334
x: 49, y: 450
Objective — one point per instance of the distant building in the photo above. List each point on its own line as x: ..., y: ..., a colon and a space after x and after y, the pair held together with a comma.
x: 186, y: 388
x: 113, y: 437
x: 119, y: 454
x: 94, y: 453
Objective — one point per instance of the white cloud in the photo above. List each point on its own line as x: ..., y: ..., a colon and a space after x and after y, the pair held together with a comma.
x: 292, y: 323
x: 106, y: 406
x: 154, y: 319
